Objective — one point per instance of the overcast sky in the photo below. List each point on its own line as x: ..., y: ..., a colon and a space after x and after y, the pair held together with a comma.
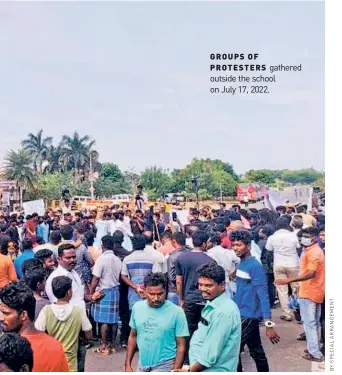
x: 135, y: 77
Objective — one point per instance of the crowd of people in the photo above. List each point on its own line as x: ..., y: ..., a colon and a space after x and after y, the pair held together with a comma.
x: 187, y: 297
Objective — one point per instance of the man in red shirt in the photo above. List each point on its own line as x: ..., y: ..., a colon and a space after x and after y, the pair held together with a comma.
x: 17, y: 314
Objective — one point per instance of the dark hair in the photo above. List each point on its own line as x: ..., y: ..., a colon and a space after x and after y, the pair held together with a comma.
x: 139, y: 242
x: 215, y: 238
x: 3, y: 228
x: 33, y: 277
x: 66, y: 232
x: 43, y: 254
x: 199, y: 238
x: 211, y: 271
x: 268, y: 230
x: 118, y: 237
x: 226, y: 221
x: 60, y: 286
x: 19, y: 297
x: 15, y: 352
x: 31, y: 265
x: 223, y: 204
x: 221, y: 228
x: 267, y: 217
x: 282, y: 223
x: 312, y: 231
x: 179, y: 238
x: 241, y: 235
x: 155, y: 279
x: 253, y: 210
x: 27, y: 244
x: 167, y: 235
x: 63, y: 247
x: 322, y: 229
x: 148, y: 237
x: 81, y: 228
x: 40, y: 240
x: 107, y: 242
x: 89, y: 237
x: 157, y: 214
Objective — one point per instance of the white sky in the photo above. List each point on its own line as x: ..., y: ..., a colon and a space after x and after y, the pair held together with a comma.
x: 135, y: 76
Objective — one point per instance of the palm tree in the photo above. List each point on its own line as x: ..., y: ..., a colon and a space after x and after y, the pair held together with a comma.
x: 38, y: 146
x: 78, y: 151
x: 18, y: 167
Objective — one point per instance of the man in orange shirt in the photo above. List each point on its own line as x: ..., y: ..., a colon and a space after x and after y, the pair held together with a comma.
x: 7, y: 271
x: 311, y: 291
x: 17, y: 314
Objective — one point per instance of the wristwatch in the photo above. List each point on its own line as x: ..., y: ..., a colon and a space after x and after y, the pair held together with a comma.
x: 269, y: 324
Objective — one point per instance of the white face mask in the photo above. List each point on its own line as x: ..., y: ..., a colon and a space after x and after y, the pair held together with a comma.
x: 306, y: 241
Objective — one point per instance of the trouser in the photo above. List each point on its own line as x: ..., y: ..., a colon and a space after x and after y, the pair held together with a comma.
x: 311, y: 313
x: 250, y: 336
x: 125, y: 316
x: 281, y: 272
x: 193, y: 316
x: 166, y: 366
x: 81, y: 355
x: 322, y: 321
x: 271, y: 288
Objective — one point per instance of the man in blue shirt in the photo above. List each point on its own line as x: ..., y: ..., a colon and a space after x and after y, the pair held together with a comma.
x: 159, y: 328
x: 215, y: 346
x: 25, y: 255
x: 252, y: 299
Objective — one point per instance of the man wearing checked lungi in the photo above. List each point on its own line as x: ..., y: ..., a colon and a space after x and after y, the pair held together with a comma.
x: 106, y: 278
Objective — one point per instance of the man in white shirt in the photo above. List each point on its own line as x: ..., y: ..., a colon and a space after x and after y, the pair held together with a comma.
x: 55, y: 239
x: 106, y: 278
x: 158, y: 258
x: 225, y: 258
x: 66, y: 267
x: 284, y: 244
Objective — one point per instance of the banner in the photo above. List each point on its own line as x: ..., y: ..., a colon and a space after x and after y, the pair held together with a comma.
x: 34, y: 206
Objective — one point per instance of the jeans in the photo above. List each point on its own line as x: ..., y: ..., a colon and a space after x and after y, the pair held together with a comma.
x: 322, y: 321
x: 271, y: 288
x: 250, y: 335
x: 81, y: 355
x: 166, y: 366
x: 311, y: 313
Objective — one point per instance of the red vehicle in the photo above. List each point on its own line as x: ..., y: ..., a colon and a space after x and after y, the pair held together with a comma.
x: 254, y: 192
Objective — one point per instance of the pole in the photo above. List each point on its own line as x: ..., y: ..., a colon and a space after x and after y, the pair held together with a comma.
x: 221, y: 192
x: 91, y: 178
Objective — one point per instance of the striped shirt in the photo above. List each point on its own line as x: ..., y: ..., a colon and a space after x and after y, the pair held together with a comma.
x: 136, y: 266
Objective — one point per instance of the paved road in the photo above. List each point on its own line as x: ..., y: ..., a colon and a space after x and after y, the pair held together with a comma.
x: 285, y: 356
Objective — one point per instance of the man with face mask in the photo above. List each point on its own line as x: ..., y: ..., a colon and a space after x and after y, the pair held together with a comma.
x: 311, y: 291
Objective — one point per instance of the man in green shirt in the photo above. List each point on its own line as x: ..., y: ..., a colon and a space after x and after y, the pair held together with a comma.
x: 215, y: 346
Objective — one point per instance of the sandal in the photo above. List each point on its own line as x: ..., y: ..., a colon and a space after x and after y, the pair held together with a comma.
x: 286, y: 318
x: 102, y: 351
x: 309, y: 357
x: 302, y: 337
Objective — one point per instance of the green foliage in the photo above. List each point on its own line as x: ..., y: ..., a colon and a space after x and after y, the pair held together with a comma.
x: 264, y: 176
x: 111, y: 172
x: 301, y: 176
x: 156, y: 180
x: 18, y: 167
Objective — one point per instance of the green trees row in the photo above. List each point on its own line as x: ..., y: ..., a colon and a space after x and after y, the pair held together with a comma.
x: 42, y: 169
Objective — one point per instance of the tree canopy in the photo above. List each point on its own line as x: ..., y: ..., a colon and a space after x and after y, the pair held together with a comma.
x: 43, y: 167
